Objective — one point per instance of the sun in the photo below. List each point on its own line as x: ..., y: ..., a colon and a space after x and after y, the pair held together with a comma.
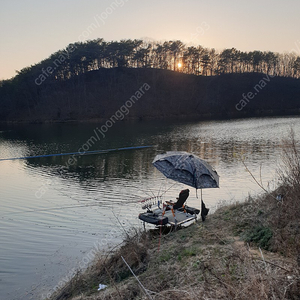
x: 179, y: 65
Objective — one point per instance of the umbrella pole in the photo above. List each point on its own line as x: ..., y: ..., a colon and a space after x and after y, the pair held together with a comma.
x: 201, y: 201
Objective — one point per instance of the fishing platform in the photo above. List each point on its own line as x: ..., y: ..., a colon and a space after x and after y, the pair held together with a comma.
x: 172, y: 213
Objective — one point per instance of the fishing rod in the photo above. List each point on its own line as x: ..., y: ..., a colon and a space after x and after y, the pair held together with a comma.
x: 100, y: 204
x: 78, y: 153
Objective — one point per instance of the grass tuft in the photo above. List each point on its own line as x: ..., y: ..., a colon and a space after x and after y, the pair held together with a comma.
x: 260, y: 236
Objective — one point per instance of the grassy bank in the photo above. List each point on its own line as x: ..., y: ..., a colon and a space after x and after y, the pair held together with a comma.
x: 248, y: 250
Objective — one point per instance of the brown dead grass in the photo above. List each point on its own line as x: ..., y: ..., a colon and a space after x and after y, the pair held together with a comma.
x: 217, y: 259
x: 205, y: 261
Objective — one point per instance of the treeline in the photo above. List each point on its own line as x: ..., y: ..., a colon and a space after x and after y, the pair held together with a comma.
x: 81, y: 57
x: 51, y: 82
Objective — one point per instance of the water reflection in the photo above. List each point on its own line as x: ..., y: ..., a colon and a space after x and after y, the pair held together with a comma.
x: 221, y: 143
x: 55, y: 209
x: 215, y: 142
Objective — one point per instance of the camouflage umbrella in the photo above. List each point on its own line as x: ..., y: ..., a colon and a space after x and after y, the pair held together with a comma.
x: 189, y: 169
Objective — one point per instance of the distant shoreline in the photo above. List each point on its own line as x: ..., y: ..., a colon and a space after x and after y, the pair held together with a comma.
x: 291, y: 113
x: 122, y: 94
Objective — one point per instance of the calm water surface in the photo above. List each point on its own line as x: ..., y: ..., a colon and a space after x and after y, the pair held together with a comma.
x: 54, y: 214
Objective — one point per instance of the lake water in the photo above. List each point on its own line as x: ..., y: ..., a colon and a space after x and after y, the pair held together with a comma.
x: 54, y: 214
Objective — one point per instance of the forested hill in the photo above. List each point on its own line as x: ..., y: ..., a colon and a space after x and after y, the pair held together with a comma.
x: 127, y: 93
x: 93, y: 80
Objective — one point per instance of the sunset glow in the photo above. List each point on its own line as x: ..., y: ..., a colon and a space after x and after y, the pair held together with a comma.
x: 34, y: 31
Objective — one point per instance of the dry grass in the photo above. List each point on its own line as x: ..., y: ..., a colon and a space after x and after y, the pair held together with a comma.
x: 204, y: 261
x: 245, y: 251
x: 110, y: 269
x: 287, y: 225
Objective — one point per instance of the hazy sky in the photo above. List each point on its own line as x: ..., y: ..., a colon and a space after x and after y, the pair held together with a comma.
x: 31, y: 30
